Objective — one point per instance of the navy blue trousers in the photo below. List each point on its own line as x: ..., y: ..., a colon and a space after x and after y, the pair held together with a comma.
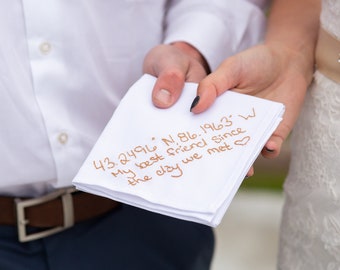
x: 125, y: 239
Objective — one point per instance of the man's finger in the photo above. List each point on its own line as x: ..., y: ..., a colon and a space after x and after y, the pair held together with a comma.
x: 168, y: 88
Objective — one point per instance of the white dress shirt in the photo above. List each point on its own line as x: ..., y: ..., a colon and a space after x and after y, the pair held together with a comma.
x: 65, y: 65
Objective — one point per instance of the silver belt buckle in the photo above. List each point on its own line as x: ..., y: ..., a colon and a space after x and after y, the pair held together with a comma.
x: 68, y: 213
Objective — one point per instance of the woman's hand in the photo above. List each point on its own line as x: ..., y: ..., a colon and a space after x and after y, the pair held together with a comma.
x: 269, y: 71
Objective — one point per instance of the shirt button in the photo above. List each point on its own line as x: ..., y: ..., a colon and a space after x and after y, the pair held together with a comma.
x: 45, y: 47
x: 63, y: 138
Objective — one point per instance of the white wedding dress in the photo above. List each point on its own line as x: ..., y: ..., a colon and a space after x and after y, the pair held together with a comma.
x: 310, y: 228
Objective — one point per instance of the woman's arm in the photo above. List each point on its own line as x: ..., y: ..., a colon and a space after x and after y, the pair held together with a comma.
x: 280, y: 69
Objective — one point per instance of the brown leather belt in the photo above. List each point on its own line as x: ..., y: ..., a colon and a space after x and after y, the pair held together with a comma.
x: 327, y: 55
x: 53, y: 212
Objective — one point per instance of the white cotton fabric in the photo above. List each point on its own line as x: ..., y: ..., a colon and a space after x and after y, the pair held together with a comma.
x: 65, y: 65
x: 197, y: 162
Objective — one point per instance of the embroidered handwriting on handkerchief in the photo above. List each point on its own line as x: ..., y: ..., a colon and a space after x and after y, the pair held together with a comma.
x: 172, y: 153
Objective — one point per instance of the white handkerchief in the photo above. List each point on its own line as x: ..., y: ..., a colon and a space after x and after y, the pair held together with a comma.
x: 174, y: 162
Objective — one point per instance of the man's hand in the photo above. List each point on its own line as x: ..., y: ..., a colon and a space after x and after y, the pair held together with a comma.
x: 173, y: 65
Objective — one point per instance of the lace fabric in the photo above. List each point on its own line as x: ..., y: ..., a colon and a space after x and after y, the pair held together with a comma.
x: 310, y: 227
x: 330, y: 17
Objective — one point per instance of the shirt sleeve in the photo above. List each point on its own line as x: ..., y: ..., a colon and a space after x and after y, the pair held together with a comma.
x: 217, y: 28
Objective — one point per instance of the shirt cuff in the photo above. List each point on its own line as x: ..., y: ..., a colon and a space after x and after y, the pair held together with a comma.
x: 216, y: 39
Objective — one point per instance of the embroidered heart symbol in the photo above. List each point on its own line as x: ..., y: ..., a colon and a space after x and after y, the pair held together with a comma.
x: 243, y: 141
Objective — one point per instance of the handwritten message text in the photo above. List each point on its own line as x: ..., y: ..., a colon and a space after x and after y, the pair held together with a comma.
x: 171, y: 153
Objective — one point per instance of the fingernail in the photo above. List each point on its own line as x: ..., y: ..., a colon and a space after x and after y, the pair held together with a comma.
x: 195, y: 102
x: 163, y: 96
x: 270, y: 150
